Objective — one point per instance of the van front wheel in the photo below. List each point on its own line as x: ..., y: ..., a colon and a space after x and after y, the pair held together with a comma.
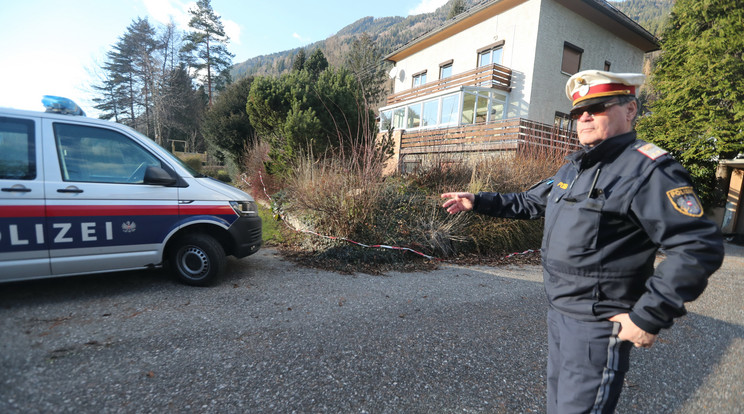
x: 197, y: 259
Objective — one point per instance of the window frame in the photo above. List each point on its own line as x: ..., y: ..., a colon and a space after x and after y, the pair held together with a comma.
x: 147, y: 158
x: 418, y: 79
x: 579, y: 52
x: 30, y: 167
x: 446, y: 66
x: 490, y: 49
x: 563, y: 121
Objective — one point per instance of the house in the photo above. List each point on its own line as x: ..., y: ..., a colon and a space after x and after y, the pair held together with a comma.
x: 493, y: 77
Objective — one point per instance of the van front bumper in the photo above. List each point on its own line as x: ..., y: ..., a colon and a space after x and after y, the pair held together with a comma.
x: 247, y: 235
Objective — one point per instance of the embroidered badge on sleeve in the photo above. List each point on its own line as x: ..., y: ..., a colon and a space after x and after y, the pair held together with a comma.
x: 651, y: 151
x: 685, y: 201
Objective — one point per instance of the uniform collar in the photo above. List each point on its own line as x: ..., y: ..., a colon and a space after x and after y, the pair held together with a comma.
x: 604, y: 151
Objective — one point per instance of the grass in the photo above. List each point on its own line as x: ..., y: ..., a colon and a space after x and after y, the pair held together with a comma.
x: 272, y: 231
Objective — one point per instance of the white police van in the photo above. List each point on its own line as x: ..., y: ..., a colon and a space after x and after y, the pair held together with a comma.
x: 82, y: 195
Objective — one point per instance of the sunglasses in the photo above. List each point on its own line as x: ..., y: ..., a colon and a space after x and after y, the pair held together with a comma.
x: 592, y: 110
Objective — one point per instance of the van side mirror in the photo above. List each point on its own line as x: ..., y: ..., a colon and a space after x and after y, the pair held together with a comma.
x: 158, y: 176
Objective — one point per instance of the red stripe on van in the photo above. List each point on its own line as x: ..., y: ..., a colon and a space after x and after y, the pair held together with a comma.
x: 100, y: 210
x: 207, y: 210
x: 21, y: 211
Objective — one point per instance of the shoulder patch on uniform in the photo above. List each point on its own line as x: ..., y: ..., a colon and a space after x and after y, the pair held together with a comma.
x: 651, y: 151
x: 685, y: 201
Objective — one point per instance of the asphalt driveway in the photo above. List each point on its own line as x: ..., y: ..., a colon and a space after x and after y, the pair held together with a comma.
x: 277, y: 338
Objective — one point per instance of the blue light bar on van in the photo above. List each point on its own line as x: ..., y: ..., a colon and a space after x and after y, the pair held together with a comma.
x: 60, y: 105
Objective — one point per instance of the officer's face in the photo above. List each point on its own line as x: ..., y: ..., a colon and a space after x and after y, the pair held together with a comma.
x: 615, y: 120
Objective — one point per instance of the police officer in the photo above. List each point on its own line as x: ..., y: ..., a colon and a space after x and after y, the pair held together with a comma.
x: 607, y: 212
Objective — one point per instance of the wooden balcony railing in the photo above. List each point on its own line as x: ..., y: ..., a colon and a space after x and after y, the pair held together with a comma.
x: 502, y: 135
x: 490, y: 76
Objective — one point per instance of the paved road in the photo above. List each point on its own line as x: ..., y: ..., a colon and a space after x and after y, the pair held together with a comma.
x: 276, y: 338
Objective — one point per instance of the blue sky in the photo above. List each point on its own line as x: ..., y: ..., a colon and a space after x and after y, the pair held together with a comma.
x: 53, y: 47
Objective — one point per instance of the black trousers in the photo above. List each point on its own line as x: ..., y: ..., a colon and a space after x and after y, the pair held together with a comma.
x: 586, y: 365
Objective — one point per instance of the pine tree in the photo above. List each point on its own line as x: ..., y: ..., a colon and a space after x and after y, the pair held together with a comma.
x: 699, y: 83
x: 365, y: 62
x: 299, y: 61
x: 128, y: 81
x: 206, y: 45
x: 316, y: 63
x: 458, y: 6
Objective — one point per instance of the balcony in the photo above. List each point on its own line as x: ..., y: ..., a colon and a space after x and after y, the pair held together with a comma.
x: 490, y: 76
x: 510, y: 134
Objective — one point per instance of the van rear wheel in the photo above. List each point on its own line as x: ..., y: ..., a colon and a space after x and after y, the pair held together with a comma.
x: 197, y: 259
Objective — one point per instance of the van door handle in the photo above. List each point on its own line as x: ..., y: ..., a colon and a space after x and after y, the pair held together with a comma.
x: 17, y: 189
x: 70, y: 189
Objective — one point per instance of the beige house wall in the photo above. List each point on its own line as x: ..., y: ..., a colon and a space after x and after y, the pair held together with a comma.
x: 517, y: 27
x: 537, y: 89
x: 559, y: 25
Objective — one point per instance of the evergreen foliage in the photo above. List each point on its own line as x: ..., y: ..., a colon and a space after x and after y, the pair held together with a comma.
x: 698, y: 115
x: 364, y: 61
x: 456, y: 7
x: 145, y: 86
x: 316, y: 63
x: 301, y: 115
x: 206, y: 46
x: 651, y: 14
x: 226, y: 124
x: 299, y: 61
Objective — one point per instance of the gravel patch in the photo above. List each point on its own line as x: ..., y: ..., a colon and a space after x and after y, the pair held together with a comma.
x: 278, y: 338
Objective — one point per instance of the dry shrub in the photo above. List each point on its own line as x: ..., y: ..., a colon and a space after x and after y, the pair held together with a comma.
x: 254, y: 179
x: 344, y: 198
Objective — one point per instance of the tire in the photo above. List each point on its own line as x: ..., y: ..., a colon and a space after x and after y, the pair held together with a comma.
x: 197, y: 259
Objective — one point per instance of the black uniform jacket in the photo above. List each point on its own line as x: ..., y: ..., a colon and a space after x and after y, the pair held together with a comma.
x: 607, y: 212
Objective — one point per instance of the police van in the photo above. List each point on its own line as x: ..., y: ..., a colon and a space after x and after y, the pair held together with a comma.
x: 82, y: 195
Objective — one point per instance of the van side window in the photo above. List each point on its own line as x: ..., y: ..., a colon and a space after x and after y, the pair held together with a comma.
x: 17, y: 149
x: 100, y: 155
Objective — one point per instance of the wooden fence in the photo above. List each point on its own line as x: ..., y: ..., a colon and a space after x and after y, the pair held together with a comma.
x: 512, y: 134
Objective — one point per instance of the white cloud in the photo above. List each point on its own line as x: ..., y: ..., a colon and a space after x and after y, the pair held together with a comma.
x: 303, y: 40
x: 427, y: 6
x: 232, y: 30
x: 166, y: 10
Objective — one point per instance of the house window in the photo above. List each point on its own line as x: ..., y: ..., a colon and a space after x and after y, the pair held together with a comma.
x: 430, y: 113
x: 481, y: 106
x: 386, y: 120
x: 571, y: 58
x: 562, y: 121
x: 475, y: 108
x: 450, y: 109
x: 607, y: 65
x: 490, y: 54
x: 445, y: 69
x: 414, y: 116
x: 398, y: 116
x: 419, y: 79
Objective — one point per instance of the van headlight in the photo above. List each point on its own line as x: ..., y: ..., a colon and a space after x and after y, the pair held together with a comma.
x: 245, y: 208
